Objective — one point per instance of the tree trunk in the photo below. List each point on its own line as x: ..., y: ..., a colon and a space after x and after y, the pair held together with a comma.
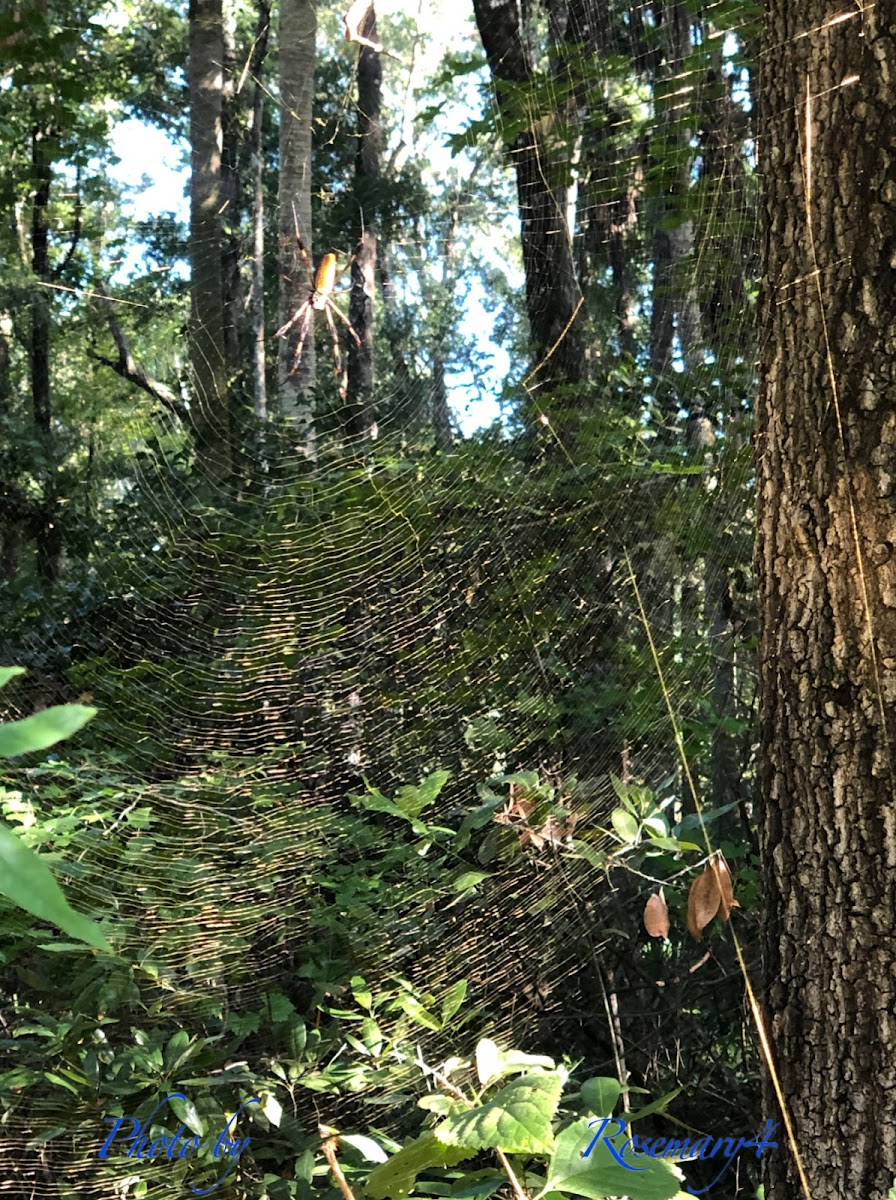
x: 552, y: 293
x: 259, y: 378
x: 826, y: 558
x: 47, y: 533
x: 298, y: 24
x: 231, y: 221
x: 362, y: 417
x: 207, y: 339
x: 674, y: 307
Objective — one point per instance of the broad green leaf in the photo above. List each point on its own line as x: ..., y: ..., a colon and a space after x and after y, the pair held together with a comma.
x: 29, y: 884
x: 517, y: 1119
x: 413, y: 800
x: 625, y: 824
x: 600, y: 1175
x: 7, y: 673
x: 454, y: 998
x: 600, y: 1094
x: 43, y: 729
x: 395, y: 1179
x: 273, y: 1110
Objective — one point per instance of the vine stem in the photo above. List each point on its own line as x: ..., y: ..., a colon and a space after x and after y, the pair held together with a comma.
x: 518, y: 1190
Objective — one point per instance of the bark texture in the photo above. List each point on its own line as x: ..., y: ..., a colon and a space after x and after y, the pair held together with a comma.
x: 826, y: 558
x: 298, y: 25
x: 539, y: 155
x: 361, y: 414
x: 259, y: 54
x: 207, y: 336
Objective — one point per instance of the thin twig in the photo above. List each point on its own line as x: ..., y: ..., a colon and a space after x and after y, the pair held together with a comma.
x: 329, y: 1148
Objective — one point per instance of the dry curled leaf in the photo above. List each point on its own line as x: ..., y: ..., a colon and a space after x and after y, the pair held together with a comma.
x: 704, y: 900
x: 711, y: 894
x: 723, y: 880
x: 656, y: 916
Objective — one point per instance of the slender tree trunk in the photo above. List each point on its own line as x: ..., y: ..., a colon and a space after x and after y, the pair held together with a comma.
x: 552, y: 293
x: 259, y: 378
x: 362, y: 417
x: 298, y: 24
x: 441, y: 412
x: 207, y: 337
x: 48, y: 538
x: 10, y: 529
x: 674, y: 307
x: 826, y: 558
x: 231, y: 217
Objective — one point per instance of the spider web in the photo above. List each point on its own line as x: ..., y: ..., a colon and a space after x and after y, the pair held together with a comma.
x: 398, y: 610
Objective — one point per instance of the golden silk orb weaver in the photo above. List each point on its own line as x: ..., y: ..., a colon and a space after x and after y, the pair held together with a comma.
x: 320, y: 299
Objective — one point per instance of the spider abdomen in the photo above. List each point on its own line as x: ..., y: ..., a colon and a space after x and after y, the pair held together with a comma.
x: 325, y: 280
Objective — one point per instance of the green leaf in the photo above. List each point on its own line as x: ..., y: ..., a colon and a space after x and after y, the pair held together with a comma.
x: 395, y: 1179
x: 43, y: 729
x: 185, y: 1111
x: 7, y: 673
x: 454, y: 998
x: 467, y: 880
x: 655, y: 1105
x: 478, y: 1185
x: 413, y: 800
x: 600, y: 1175
x: 273, y: 1110
x: 625, y: 824
x: 29, y: 884
x: 418, y: 1013
x: 600, y: 1094
x: 517, y: 1119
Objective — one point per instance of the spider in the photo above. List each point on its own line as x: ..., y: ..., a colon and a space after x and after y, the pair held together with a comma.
x: 320, y: 299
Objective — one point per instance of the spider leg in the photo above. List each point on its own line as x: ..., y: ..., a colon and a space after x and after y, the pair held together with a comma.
x: 296, y: 316
x: 303, y: 333
x: 336, y: 352
x: 346, y: 322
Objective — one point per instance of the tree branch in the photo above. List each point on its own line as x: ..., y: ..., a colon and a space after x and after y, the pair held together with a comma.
x: 59, y: 270
x: 128, y: 368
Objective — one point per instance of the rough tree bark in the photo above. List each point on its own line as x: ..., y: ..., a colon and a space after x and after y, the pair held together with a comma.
x: 826, y: 558
x: 207, y: 340
x: 298, y: 25
x: 259, y: 54
x: 362, y: 417
x: 552, y: 293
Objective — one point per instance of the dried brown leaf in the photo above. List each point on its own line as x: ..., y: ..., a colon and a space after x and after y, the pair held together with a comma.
x: 704, y: 901
x: 723, y: 881
x: 656, y: 916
